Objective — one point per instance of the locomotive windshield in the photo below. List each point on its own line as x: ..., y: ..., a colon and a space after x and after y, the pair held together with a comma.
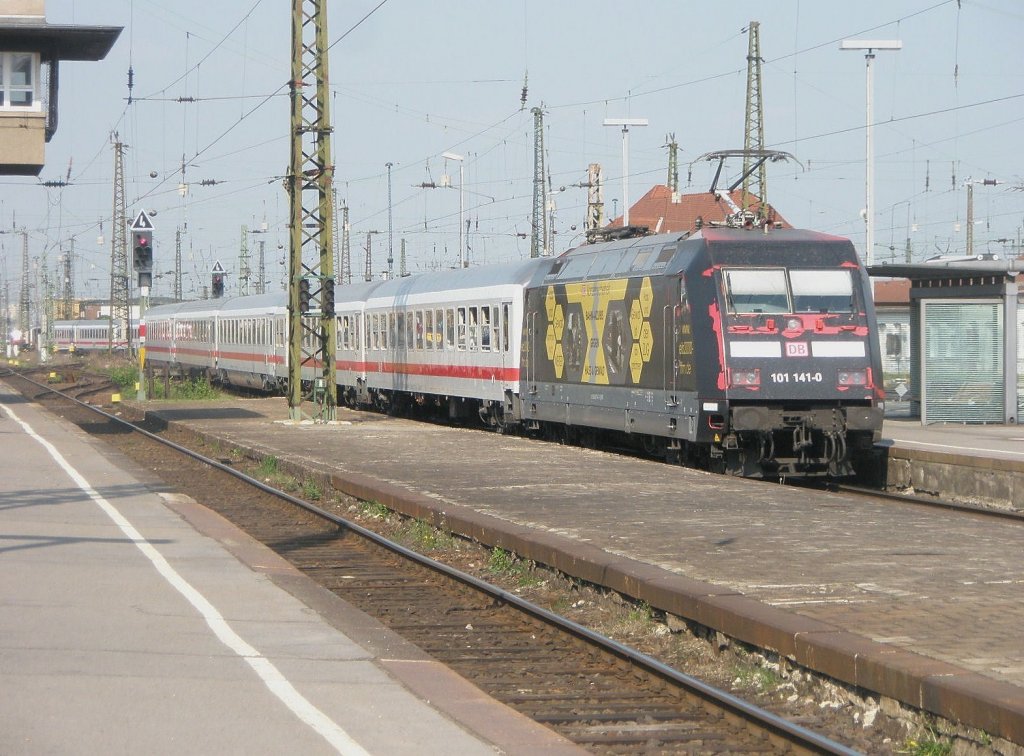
x: 751, y: 290
x: 821, y: 290
x: 775, y: 290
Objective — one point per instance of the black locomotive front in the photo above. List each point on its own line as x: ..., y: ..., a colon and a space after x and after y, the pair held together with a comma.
x: 743, y: 351
x: 794, y: 383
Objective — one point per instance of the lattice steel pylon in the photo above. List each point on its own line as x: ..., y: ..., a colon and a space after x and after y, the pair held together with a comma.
x: 67, y: 278
x: 336, y: 235
x: 346, y: 247
x: 595, y: 199
x: 368, y: 272
x: 120, y: 305
x: 177, y: 264
x: 46, y: 305
x: 244, y: 267
x: 753, y: 128
x: 539, y: 235
x: 311, y: 322
x: 673, y: 164
x: 25, y: 300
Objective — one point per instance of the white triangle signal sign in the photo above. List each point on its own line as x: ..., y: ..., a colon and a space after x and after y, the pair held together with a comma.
x: 142, y: 222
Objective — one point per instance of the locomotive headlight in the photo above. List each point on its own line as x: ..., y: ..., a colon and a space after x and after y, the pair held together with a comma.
x: 852, y: 378
x: 746, y: 377
x: 793, y: 324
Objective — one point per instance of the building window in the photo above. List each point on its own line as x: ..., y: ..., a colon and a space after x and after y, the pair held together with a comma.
x: 19, y: 77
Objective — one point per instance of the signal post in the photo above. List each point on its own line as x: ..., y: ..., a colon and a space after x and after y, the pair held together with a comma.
x: 142, y: 262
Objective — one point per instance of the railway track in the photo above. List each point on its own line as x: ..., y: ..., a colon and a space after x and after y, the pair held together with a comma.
x: 598, y: 693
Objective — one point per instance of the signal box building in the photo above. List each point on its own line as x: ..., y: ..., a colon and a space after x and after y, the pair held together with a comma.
x: 31, y: 51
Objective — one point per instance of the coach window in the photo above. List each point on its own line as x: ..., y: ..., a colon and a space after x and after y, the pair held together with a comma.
x: 485, y: 329
x: 428, y: 326
x: 438, y: 329
x: 473, y: 332
x: 410, y: 330
x: 345, y: 334
x: 401, y: 343
x: 460, y: 323
x: 419, y: 329
x: 449, y: 329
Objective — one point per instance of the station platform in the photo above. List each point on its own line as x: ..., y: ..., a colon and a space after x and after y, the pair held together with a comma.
x: 982, y: 464
x: 918, y: 605
x: 134, y: 621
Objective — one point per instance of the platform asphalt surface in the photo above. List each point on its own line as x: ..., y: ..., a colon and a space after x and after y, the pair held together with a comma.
x: 921, y: 606
x: 139, y: 622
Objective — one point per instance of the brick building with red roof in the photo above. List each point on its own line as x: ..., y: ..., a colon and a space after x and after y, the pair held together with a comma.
x: 663, y: 213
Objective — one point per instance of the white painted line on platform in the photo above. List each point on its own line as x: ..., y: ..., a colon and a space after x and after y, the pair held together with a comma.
x: 910, y: 443
x: 268, y: 673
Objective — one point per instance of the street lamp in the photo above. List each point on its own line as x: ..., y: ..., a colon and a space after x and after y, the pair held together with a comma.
x: 461, y: 159
x: 869, y: 46
x: 625, y: 123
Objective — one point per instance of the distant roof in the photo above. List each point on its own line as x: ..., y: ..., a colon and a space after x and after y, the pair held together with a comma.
x: 59, y: 41
x: 951, y: 269
x: 660, y: 214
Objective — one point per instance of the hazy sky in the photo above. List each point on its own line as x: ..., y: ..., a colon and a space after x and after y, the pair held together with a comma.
x: 415, y: 79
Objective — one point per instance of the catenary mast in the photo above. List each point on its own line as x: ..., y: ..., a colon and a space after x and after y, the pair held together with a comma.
x: 539, y: 235
x: 119, y: 333
x: 311, y: 322
x: 753, y: 130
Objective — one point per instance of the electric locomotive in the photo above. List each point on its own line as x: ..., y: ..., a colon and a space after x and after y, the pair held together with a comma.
x: 750, y: 352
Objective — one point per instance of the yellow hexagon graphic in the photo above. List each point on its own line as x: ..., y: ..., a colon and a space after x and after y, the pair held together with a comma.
x: 558, y: 321
x: 559, y: 360
x: 550, y: 340
x: 549, y: 302
x: 636, y: 363
x: 646, y: 297
x: 636, y: 318
x: 646, y: 341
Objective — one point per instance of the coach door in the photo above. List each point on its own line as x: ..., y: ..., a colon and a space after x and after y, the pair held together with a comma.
x: 501, y: 338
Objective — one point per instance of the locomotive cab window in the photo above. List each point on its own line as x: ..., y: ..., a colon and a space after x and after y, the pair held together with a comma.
x: 822, y: 290
x: 756, y: 290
